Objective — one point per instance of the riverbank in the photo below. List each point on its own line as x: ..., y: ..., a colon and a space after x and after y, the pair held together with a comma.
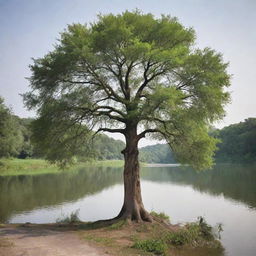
x: 12, y: 167
x: 30, y: 240
x: 100, y: 238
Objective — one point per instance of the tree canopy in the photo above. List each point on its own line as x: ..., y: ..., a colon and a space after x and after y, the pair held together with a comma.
x: 129, y: 70
x: 237, y: 142
x: 10, y: 134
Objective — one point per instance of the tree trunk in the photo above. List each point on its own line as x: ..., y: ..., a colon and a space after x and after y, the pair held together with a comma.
x: 133, y: 208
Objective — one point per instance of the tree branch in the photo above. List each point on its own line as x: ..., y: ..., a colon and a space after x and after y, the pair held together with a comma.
x: 110, y: 130
x: 147, y: 80
x: 112, y: 110
x: 108, y: 113
x: 126, y: 81
x: 143, y: 134
x: 108, y: 89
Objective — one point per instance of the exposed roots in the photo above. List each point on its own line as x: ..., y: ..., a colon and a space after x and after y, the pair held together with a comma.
x: 137, y: 214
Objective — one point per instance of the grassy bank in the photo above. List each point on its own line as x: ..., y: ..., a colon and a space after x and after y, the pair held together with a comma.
x: 39, y: 166
x: 131, y: 239
x: 158, y: 238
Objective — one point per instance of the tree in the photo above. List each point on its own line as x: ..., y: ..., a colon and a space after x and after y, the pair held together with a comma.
x: 237, y: 142
x: 10, y: 135
x: 27, y: 149
x: 159, y: 153
x: 131, y: 74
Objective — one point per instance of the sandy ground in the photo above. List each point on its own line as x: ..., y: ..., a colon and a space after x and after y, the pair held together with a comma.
x: 29, y: 241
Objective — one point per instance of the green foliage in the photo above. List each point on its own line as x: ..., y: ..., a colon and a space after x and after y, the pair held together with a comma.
x: 107, y: 148
x: 158, y: 247
x: 179, y: 238
x: 159, y: 153
x: 63, y: 139
x: 196, y: 233
x: 14, y: 166
x: 106, y: 241
x: 237, y: 142
x: 205, y: 229
x: 160, y: 215
x: 193, y: 233
x: 27, y: 149
x: 124, y: 72
x: 117, y: 225
x: 10, y: 135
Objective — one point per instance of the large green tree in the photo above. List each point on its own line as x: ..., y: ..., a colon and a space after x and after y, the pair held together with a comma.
x: 132, y: 74
x: 11, y: 138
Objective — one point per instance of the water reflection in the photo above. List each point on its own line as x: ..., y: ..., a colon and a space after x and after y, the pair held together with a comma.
x: 25, y: 193
x: 181, y: 193
x: 236, y: 182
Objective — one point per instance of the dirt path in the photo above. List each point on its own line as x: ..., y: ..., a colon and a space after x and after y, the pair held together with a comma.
x: 29, y: 241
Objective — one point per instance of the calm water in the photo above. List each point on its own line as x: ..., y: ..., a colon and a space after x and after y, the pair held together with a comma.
x: 224, y: 195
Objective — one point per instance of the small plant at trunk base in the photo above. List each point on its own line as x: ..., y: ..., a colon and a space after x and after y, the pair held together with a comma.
x: 73, y: 218
x: 161, y: 216
x: 158, y: 247
x: 133, y: 74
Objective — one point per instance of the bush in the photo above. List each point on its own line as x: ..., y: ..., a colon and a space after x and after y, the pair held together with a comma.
x: 178, y: 238
x: 158, y: 247
x: 205, y: 229
x: 193, y: 232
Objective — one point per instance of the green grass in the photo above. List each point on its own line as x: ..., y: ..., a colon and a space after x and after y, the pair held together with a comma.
x: 107, y: 163
x: 12, y: 167
x: 106, y: 241
x: 117, y: 225
x: 26, y: 167
x: 194, y: 234
x: 155, y: 246
x: 162, y: 216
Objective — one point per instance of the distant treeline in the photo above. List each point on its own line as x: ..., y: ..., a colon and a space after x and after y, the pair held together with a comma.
x: 238, y: 142
x: 237, y: 145
x: 16, y: 140
x: 159, y: 153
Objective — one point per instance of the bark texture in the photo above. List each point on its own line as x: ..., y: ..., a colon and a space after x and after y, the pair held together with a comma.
x: 133, y: 208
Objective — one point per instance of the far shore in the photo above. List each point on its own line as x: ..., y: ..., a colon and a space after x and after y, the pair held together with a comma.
x: 14, y: 166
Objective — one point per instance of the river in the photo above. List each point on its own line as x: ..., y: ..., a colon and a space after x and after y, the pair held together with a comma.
x: 226, y: 195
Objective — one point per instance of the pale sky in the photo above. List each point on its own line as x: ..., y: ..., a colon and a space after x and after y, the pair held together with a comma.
x: 29, y: 28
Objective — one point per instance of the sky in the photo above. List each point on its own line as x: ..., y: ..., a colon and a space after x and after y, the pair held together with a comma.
x: 30, y: 28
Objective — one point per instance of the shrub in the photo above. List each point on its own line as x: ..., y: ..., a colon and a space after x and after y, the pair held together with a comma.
x: 193, y: 232
x: 178, y: 238
x: 205, y: 229
x: 158, y: 247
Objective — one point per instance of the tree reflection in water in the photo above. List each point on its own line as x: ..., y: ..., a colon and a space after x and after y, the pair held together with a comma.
x: 25, y: 193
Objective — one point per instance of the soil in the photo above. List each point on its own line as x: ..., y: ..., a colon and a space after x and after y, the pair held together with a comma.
x: 29, y: 240
x: 92, y: 239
